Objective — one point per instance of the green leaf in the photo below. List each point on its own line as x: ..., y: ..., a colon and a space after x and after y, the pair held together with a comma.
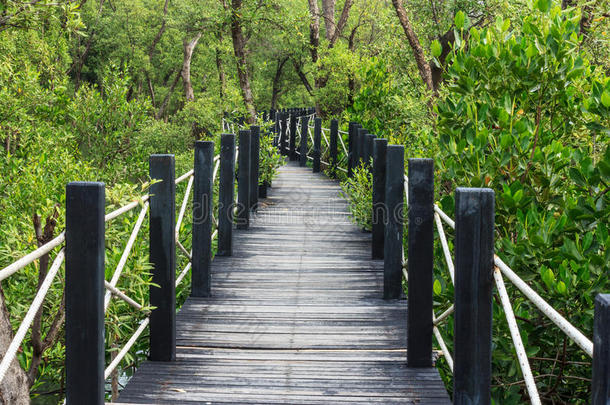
x: 606, y: 99
x: 436, y: 48
x: 543, y: 5
x: 438, y: 289
x: 561, y: 288
x: 460, y: 17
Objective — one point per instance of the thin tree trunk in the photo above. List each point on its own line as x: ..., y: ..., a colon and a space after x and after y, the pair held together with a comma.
x: 189, y: 47
x: 342, y: 22
x: 418, y: 51
x: 314, y: 29
x: 239, y: 44
x: 221, y: 72
x: 275, y: 92
x: 303, y: 78
x: 328, y: 8
x: 168, y: 96
x: 151, y: 52
x: 14, y: 386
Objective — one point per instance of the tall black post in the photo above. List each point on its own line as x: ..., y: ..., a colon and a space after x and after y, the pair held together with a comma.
x: 226, y: 194
x: 334, y: 134
x: 283, y: 134
x: 474, y: 250
x: 162, y: 256
x: 317, y: 144
x: 351, y: 147
x: 368, y: 149
x: 600, y: 385
x: 243, y: 181
x: 203, y: 202
x: 84, y: 329
x: 394, y: 192
x: 293, y: 137
x: 304, y: 135
x: 379, y: 207
x: 360, y: 146
x: 421, y: 257
x: 255, y: 132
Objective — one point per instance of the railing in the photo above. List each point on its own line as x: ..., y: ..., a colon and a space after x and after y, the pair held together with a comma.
x: 392, y: 192
x: 88, y: 294
x: 475, y: 267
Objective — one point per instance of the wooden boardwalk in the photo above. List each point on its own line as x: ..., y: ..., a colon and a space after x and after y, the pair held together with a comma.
x: 296, y: 316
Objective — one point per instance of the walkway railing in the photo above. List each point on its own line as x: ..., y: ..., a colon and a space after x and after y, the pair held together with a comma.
x: 81, y: 247
x: 473, y: 269
x: 473, y: 287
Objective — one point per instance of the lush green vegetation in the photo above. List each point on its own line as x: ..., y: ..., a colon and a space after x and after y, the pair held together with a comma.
x: 510, y: 95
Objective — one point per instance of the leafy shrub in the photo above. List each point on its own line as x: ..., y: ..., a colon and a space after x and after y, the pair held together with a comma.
x: 358, y: 191
x: 524, y: 113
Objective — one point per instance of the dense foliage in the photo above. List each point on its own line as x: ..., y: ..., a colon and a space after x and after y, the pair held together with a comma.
x: 509, y: 95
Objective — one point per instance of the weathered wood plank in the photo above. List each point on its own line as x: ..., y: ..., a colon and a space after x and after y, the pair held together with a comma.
x: 296, y: 316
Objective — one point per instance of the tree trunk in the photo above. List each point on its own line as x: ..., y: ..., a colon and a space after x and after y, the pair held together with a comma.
x: 189, y: 47
x: 14, y: 386
x: 314, y: 29
x: 342, y: 22
x: 303, y: 78
x: 151, y: 52
x: 328, y: 8
x: 221, y: 73
x: 275, y: 92
x: 418, y: 51
x: 168, y: 96
x: 239, y: 44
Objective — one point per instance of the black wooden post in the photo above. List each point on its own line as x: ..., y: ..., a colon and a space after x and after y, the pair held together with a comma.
x: 421, y: 257
x: 317, y: 144
x: 600, y: 386
x: 84, y: 327
x: 255, y: 132
x: 351, y: 146
x: 474, y: 227
x: 304, y: 135
x: 226, y: 194
x: 334, y: 134
x: 368, y: 149
x: 360, y: 142
x: 394, y: 198
x: 243, y: 181
x: 203, y: 183
x: 379, y: 208
x: 162, y: 256
x: 283, y: 134
x: 293, y: 137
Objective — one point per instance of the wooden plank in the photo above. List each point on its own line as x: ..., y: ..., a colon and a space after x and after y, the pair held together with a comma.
x: 296, y: 316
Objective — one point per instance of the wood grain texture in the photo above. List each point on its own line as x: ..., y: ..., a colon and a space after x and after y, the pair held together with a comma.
x: 296, y: 316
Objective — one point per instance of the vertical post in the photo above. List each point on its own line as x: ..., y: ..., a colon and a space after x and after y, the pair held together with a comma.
x: 317, y: 144
x: 162, y: 256
x: 379, y: 208
x: 421, y: 257
x: 334, y: 134
x: 474, y: 227
x: 243, y: 181
x: 368, y: 149
x: 304, y: 135
x: 201, y: 277
x: 226, y: 193
x: 255, y: 133
x: 84, y: 331
x: 283, y: 133
x: 394, y: 198
x: 351, y: 148
x: 360, y: 146
x: 293, y: 137
x: 600, y: 385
